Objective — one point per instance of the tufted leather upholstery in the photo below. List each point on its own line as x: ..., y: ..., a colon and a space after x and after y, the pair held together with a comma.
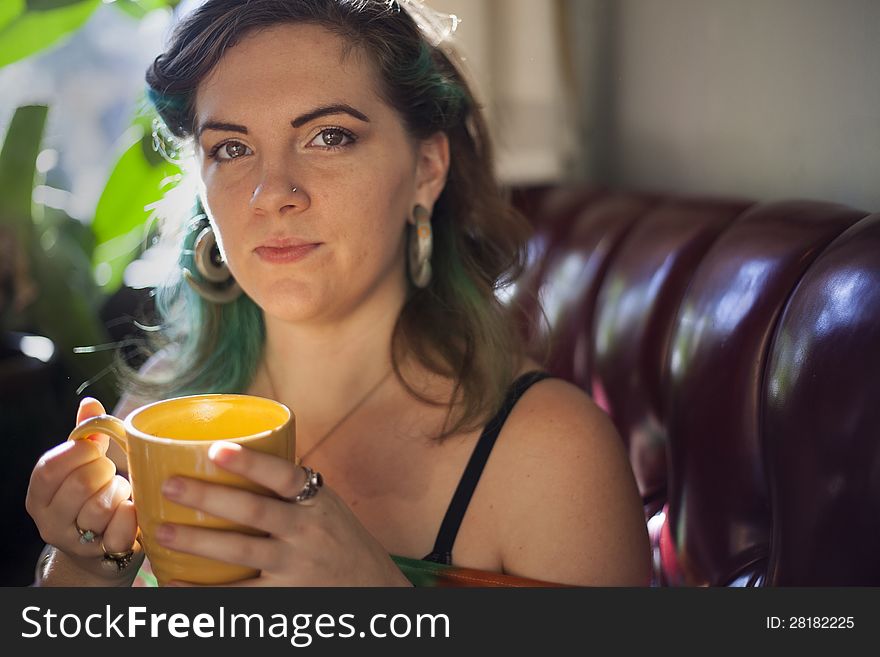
x: 736, y: 346
x: 822, y: 419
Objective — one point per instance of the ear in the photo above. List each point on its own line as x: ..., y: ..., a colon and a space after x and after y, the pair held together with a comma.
x: 432, y: 167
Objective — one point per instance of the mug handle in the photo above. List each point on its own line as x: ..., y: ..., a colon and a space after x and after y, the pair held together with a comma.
x: 108, y: 424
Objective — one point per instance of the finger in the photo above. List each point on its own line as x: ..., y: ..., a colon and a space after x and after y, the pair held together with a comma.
x: 244, y: 507
x: 91, y: 407
x: 56, y: 464
x: 121, y: 531
x: 95, y: 514
x: 57, y: 520
x: 80, y: 485
x: 54, y: 468
x: 232, y: 547
x: 119, y: 457
x: 275, y: 473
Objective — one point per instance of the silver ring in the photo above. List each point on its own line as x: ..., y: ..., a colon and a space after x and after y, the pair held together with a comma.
x: 293, y: 190
x: 86, y: 536
x: 314, y: 481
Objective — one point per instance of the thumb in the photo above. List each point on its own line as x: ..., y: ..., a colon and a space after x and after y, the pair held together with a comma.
x: 91, y: 407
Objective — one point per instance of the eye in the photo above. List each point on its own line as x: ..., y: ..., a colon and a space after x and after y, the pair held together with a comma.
x: 229, y: 150
x: 333, y: 138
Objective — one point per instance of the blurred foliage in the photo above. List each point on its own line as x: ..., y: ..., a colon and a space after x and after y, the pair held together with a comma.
x: 27, y: 27
x: 49, y: 261
x: 60, y: 307
x: 140, y: 8
x: 136, y: 182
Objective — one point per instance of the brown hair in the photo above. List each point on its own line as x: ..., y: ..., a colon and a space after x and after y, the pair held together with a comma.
x: 456, y: 327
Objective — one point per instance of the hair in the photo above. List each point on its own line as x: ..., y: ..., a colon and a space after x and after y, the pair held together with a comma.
x: 456, y: 327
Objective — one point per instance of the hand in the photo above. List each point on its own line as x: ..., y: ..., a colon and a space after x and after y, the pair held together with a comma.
x: 75, y: 485
x: 318, y: 542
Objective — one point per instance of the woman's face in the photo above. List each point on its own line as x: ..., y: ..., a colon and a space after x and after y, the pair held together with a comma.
x: 286, y: 109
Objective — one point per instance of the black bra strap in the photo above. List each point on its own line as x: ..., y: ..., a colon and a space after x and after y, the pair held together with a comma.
x: 442, y: 552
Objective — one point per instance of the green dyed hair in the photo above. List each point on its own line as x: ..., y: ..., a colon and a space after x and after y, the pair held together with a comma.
x: 456, y: 327
x: 219, y: 345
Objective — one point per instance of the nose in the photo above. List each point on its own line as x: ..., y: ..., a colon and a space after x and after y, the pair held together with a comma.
x: 275, y: 194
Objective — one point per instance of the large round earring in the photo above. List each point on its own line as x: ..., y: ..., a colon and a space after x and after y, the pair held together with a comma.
x: 217, y: 284
x: 420, y: 245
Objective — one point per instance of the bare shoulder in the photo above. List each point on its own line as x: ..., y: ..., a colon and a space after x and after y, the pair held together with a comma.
x: 569, y: 511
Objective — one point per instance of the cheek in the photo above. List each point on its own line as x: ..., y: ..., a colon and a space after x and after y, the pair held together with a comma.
x: 380, y: 197
x: 227, y: 183
x: 226, y: 194
x: 225, y: 207
x: 377, y: 226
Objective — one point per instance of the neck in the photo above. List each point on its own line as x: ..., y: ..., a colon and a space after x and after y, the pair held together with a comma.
x: 321, y: 371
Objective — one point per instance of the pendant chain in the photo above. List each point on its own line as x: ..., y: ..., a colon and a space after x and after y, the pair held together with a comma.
x: 364, y: 398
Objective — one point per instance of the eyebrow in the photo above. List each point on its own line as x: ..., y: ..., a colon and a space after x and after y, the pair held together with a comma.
x: 339, y: 108
x: 298, y: 122
x: 221, y: 126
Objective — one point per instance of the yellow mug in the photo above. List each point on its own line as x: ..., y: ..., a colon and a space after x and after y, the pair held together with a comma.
x: 172, y: 437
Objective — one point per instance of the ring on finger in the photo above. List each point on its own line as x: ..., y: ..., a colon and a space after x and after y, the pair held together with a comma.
x: 86, y: 536
x: 314, y: 481
x: 117, y: 560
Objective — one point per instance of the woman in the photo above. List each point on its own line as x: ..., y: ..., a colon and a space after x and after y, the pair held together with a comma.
x: 345, y: 174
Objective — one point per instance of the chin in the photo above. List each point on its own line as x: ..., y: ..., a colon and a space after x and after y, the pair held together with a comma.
x: 287, y: 302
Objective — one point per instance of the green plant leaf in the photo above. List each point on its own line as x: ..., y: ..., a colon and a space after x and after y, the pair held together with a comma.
x: 79, y: 234
x: 48, y: 5
x: 17, y: 163
x: 18, y: 159
x: 9, y: 10
x: 120, y: 223
x: 112, y: 257
x: 33, y: 31
x: 71, y: 241
x: 140, y: 8
x: 134, y: 183
x: 130, y: 7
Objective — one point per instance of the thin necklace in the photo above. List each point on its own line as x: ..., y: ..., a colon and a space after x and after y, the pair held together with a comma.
x: 341, y: 420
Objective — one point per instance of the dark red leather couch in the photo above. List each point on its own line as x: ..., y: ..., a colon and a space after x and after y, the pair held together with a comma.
x: 736, y: 346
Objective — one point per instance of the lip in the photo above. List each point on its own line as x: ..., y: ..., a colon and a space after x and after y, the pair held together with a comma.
x: 285, y: 242
x: 281, y: 252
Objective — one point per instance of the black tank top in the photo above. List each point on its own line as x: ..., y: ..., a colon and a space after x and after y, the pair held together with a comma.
x: 442, y: 552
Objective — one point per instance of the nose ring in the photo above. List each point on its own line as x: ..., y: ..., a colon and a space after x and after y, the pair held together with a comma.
x: 293, y: 190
